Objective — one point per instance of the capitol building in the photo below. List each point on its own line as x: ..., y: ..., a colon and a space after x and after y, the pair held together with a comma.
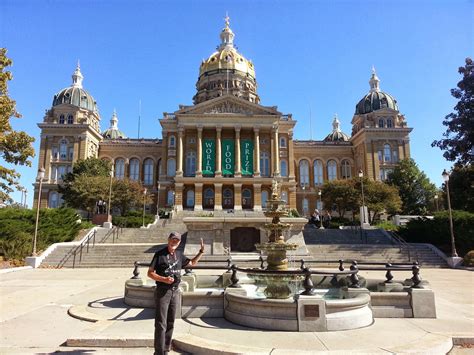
x: 223, y: 151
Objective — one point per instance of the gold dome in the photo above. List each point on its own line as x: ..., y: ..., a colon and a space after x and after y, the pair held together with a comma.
x: 227, y: 58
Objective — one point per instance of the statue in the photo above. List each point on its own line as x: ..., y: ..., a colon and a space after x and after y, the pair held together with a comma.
x: 275, y: 188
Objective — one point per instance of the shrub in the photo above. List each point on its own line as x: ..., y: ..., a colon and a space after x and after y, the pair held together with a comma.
x: 133, y: 219
x: 469, y: 258
x: 335, y: 222
x: 436, y: 231
x: 293, y: 213
x: 389, y: 226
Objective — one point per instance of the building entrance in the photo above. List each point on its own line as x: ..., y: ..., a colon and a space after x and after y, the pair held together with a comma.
x: 243, y: 239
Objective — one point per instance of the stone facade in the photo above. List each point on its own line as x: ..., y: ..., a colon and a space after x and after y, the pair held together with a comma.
x: 223, y: 152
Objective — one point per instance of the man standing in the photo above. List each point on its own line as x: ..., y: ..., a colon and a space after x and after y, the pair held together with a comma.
x: 165, y: 269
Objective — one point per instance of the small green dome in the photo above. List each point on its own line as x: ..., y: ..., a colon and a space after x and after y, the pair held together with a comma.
x: 374, y: 101
x: 336, y: 135
x: 113, y: 132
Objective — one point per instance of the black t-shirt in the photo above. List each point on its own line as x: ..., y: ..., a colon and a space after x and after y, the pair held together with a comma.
x: 166, y: 264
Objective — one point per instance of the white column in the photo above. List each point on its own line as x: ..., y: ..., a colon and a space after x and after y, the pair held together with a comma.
x: 199, y: 152
x: 179, y: 171
x: 218, y: 151
x: 276, y: 150
x: 238, y: 172
x: 256, y: 171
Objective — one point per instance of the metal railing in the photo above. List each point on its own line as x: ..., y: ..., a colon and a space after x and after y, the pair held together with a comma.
x: 114, y: 232
x: 402, y: 244
x: 79, y: 249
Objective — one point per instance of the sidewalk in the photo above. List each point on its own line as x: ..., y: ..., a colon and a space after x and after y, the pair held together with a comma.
x: 34, y: 318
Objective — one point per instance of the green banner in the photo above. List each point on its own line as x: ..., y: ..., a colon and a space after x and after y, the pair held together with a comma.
x: 228, y: 157
x: 208, y: 156
x: 246, y: 155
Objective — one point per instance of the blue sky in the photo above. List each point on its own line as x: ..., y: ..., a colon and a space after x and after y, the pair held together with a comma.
x: 310, y: 56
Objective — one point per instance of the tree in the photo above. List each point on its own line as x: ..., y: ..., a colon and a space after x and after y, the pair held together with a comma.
x: 126, y: 195
x: 459, y: 136
x: 414, y: 187
x: 342, y: 194
x: 15, y: 146
x: 461, y: 188
x: 381, y: 197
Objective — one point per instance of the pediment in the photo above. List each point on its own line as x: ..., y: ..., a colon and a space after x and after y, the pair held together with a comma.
x: 228, y: 105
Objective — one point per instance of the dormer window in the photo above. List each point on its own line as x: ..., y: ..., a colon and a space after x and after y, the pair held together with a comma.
x: 172, y: 141
x: 381, y: 123
x: 70, y: 119
x: 282, y: 142
x: 389, y: 123
x: 62, y: 119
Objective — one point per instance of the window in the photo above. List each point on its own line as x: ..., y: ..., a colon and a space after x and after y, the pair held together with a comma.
x: 54, y: 173
x: 119, y: 169
x: 208, y: 198
x: 387, y: 155
x: 55, y: 153
x: 304, y: 172
x: 264, y: 164
x: 171, y: 168
x: 383, y: 103
x: 191, y: 140
x: 389, y: 123
x: 282, y: 142
x: 332, y: 170
x: 63, y: 149
x: 284, y: 196
x: 305, y: 206
x: 190, y: 163
x: 70, y: 119
x: 381, y: 122
x: 172, y: 141
x: 283, y: 168
x: 246, y: 198
x: 170, y: 198
x: 190, y: 198
x: 346, y: 169
x: 61, y: 172
x: 134, y: 170
x: 395, y: 156
x: 380, y: 156
x: 148, y: 172
x: 71, y: 153
x: 264, y: 198
x: 384, y: 173
x: 62, y: 119
x: 228, y: 198
x: 53, y: 200
x: 318, y: 173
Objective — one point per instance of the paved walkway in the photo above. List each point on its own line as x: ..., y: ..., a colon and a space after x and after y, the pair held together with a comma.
x: 34, y: 318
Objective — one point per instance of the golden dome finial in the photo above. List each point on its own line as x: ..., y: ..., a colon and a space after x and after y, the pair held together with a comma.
x: 227, y: 20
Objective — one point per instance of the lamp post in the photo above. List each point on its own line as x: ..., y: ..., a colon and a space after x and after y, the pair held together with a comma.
x: 321, y: 207
x: 109, y: 204
x: 158, y: 199
x: 303, y: 187
x: 445, y: 175
x: 436, y: 202
x: 26, y: 196
x: 361, y: 176
x: 39, y: 178
x: 144, y: 200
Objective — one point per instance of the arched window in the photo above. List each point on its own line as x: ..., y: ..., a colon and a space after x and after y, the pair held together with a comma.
x: 190, y: 163
x: 148, y: 172
x: 70, y: 119
x: 134, y: 168
x: 172, y: 142
x: 119, y: 169
x: 208, y: 198
x: 284, y: 196
x: 264, y: 198
x: 61, y: 172
x: 264, y: 164
x: 304, y: 172
x: 283, y: 168
x: 62, y: 119
x: 395, y: 156
x: 171, y: 168
x: 170, y: 198
x: 383, y: 103
x: 387, y: 153
x: 53, y: 200
x: 346, y: 169
x: 63, y: 145
x: 389, y: 123
x: 227, y: 198
x: 246, y: 198
x: 282, y: 142
x: 190, y: 198
x: 381, y: 122
x: 305, y: 206
x: 332, y: 170
x: 318, y: 172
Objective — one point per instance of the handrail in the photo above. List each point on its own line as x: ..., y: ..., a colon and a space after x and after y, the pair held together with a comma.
x: 403, y: 244
x: 306, y: 272
x: 115, y: 232
x: 80, y: 247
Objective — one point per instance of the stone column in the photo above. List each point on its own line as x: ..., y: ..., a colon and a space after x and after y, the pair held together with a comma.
x: 218, y: 152
x: 217, y: 197
x: 238, y: 164
x: 291, y: 157
x: 179, y: 170
x: 276, y: 151
x: 198, y: 196
x: 199, y: 153
x: 256, y: 160
x: 238, y: 197
x: 292, y: 197
x: 257, y: 197
x: 164, y: 159
x: 178, y: 197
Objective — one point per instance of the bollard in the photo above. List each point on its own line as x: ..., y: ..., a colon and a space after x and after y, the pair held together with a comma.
x: 302, y: 266
x: 416, y: 275
x: 229, y: 265
x: 388, y: 274
x: 354, y: 278
x: 341, y: 265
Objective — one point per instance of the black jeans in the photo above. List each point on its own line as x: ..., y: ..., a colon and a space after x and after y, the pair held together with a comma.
x: 166, y: 300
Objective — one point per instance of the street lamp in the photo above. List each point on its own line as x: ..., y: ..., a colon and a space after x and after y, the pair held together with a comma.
x: 39, y: 178
x: 303, y: 187
x: 109, y: 204
x: 26, y: 196
x: 321, y: 207
x: 436, y: 202
x: 158, y: 200
x: 144, y: 200
x: 361, y: 176
x: 445, y: 175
